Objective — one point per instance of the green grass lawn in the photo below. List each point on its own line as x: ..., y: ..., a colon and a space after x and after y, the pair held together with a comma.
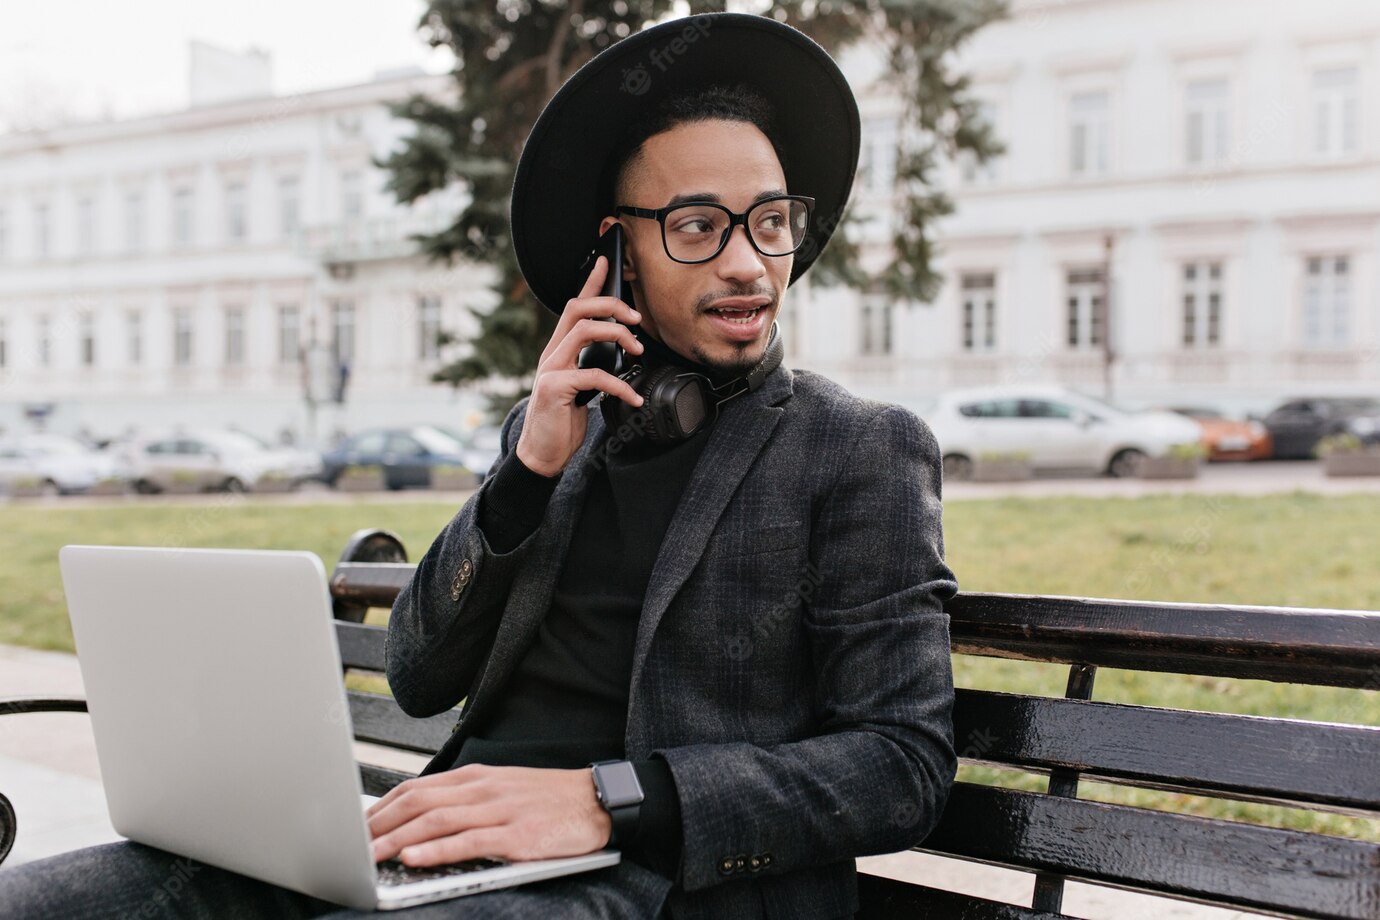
x: 1293, y: 550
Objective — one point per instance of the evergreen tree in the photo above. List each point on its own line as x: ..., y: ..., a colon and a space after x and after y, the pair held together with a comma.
x: 511, y: 57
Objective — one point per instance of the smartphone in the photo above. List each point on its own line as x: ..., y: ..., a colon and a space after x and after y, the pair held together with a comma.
x: 606, y: 356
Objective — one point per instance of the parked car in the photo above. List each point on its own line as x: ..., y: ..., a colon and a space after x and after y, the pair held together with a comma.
x: 406, y: 455
x: 1298, y: 425
x: 208, y: 459
x: 1229, y: 439
x: 482, y: 449
x: 1056, y: 428
x: 58, y: 465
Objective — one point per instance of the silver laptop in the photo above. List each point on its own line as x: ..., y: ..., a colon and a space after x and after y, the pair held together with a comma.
x: 222, y: 728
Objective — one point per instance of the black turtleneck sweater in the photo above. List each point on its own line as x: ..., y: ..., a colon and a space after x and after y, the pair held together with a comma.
x: 567, y: 702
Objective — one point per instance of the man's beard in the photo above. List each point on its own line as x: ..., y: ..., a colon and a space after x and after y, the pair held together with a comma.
x: 746, y: 356
x: 740, y: 365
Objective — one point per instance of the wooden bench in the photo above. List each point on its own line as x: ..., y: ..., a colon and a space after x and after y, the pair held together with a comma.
x: 1318, y: 766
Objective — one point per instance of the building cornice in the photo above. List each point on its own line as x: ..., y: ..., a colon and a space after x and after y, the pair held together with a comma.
x: 1204, y: 226
x: 1179, y: 177
x: 248, y: 111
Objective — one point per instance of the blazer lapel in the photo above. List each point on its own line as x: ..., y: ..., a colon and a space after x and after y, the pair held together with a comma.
x: 738, y: 436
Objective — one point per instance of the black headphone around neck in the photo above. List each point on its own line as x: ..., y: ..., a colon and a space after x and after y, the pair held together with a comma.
x: 679, y: 402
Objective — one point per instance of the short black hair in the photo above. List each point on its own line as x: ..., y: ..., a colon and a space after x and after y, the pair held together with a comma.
x: 712, y: 103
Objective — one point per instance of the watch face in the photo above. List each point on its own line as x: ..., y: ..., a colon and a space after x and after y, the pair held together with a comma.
x: 619, y: 784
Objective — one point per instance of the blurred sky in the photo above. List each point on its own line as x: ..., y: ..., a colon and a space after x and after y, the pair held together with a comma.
x: 90, y: 59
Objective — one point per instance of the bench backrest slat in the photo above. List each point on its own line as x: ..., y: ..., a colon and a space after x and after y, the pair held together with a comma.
x: 1282, y: 761
x: 360, y: 646
x: 1199, y: 858
x: 1328, y: 648
x: 374, y: 583
x: 379, y: 720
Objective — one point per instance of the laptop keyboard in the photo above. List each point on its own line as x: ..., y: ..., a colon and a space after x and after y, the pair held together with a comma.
x: 393, y: 872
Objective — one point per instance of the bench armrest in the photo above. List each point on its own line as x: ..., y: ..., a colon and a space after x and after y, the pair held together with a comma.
x: 17, y: 704
x: 13, y: 706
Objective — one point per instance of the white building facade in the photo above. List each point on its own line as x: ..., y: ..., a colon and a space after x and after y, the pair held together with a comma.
x: 1212, y: 165
x: 175, y: 269
x: 1188, y: 211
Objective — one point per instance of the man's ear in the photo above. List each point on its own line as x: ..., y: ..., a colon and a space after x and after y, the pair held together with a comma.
x: 629, y: 261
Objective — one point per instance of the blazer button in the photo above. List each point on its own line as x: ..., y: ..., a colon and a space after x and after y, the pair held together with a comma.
x: 462, y: 578
x: 766, y: 860
x: 726, y: 865
x: 740, y: 863
x: 754, y: 862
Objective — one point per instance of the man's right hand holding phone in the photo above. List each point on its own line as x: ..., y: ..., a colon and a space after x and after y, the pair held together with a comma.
x: 554, y: 427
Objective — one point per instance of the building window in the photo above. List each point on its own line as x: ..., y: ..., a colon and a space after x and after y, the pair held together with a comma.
x: 134, y: 221
x: 1087, y: 289
x: 343, y: 331
x: 86, y: 225
x: 289, y: 205
x: 429, y: 327
x: 234, y: 336
x: 182, y: 336
x: 134, y: 337
x: 876, y: 327
x: 979, y: 304
x: 86, y: 331
x: 182, y: 216
x: 289, y: 334
x: 351, y: 195
x: 235, y: 212
x: 1207, y: 122
x: 45, y: 340
x: 1327, y: 301
x: 1089, y: 134
x: 1336, y: 111
x: 43, y: 230
x: 877, y: 164
x: 1202, y: 304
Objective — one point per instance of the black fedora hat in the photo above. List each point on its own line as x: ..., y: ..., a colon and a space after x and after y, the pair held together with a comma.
x: 560, y: 190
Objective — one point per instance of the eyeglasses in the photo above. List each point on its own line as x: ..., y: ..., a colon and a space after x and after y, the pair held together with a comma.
x: 697, y: 231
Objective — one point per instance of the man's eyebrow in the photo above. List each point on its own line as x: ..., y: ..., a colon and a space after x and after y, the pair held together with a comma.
x: 710, y: 196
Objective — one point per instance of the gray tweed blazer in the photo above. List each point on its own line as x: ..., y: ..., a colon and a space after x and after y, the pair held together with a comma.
x: 792, y: 662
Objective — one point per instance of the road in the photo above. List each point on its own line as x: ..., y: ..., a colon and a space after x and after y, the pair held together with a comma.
x: 1260, y: 478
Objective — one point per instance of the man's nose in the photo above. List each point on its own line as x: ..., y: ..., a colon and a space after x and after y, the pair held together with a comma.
x: 739, y: 260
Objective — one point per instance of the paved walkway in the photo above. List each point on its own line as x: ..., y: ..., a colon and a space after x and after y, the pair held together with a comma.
x: 49, y: 770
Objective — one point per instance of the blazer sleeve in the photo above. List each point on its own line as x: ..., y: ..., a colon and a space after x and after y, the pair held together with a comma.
x: 444, y: 621
x: 876, y: 775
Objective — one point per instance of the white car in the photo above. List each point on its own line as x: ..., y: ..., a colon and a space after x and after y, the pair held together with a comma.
x: 57, y: 464
x: 209, y: 459
x: 1054, y: 427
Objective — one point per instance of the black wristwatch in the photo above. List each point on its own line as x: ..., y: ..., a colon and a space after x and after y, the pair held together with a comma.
x: 617, y: 788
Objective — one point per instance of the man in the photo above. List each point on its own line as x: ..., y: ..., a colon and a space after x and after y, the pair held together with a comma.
x: 739, y: 619
x: 750, y: 617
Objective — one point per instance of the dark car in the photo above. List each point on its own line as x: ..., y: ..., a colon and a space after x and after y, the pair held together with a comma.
x: 1298, y: 425
x: 407, y: 455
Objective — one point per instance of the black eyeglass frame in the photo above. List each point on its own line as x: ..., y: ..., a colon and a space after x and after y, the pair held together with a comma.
x: 659, y: 215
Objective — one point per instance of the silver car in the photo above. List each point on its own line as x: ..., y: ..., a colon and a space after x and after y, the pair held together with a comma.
x: 1053, y: 427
